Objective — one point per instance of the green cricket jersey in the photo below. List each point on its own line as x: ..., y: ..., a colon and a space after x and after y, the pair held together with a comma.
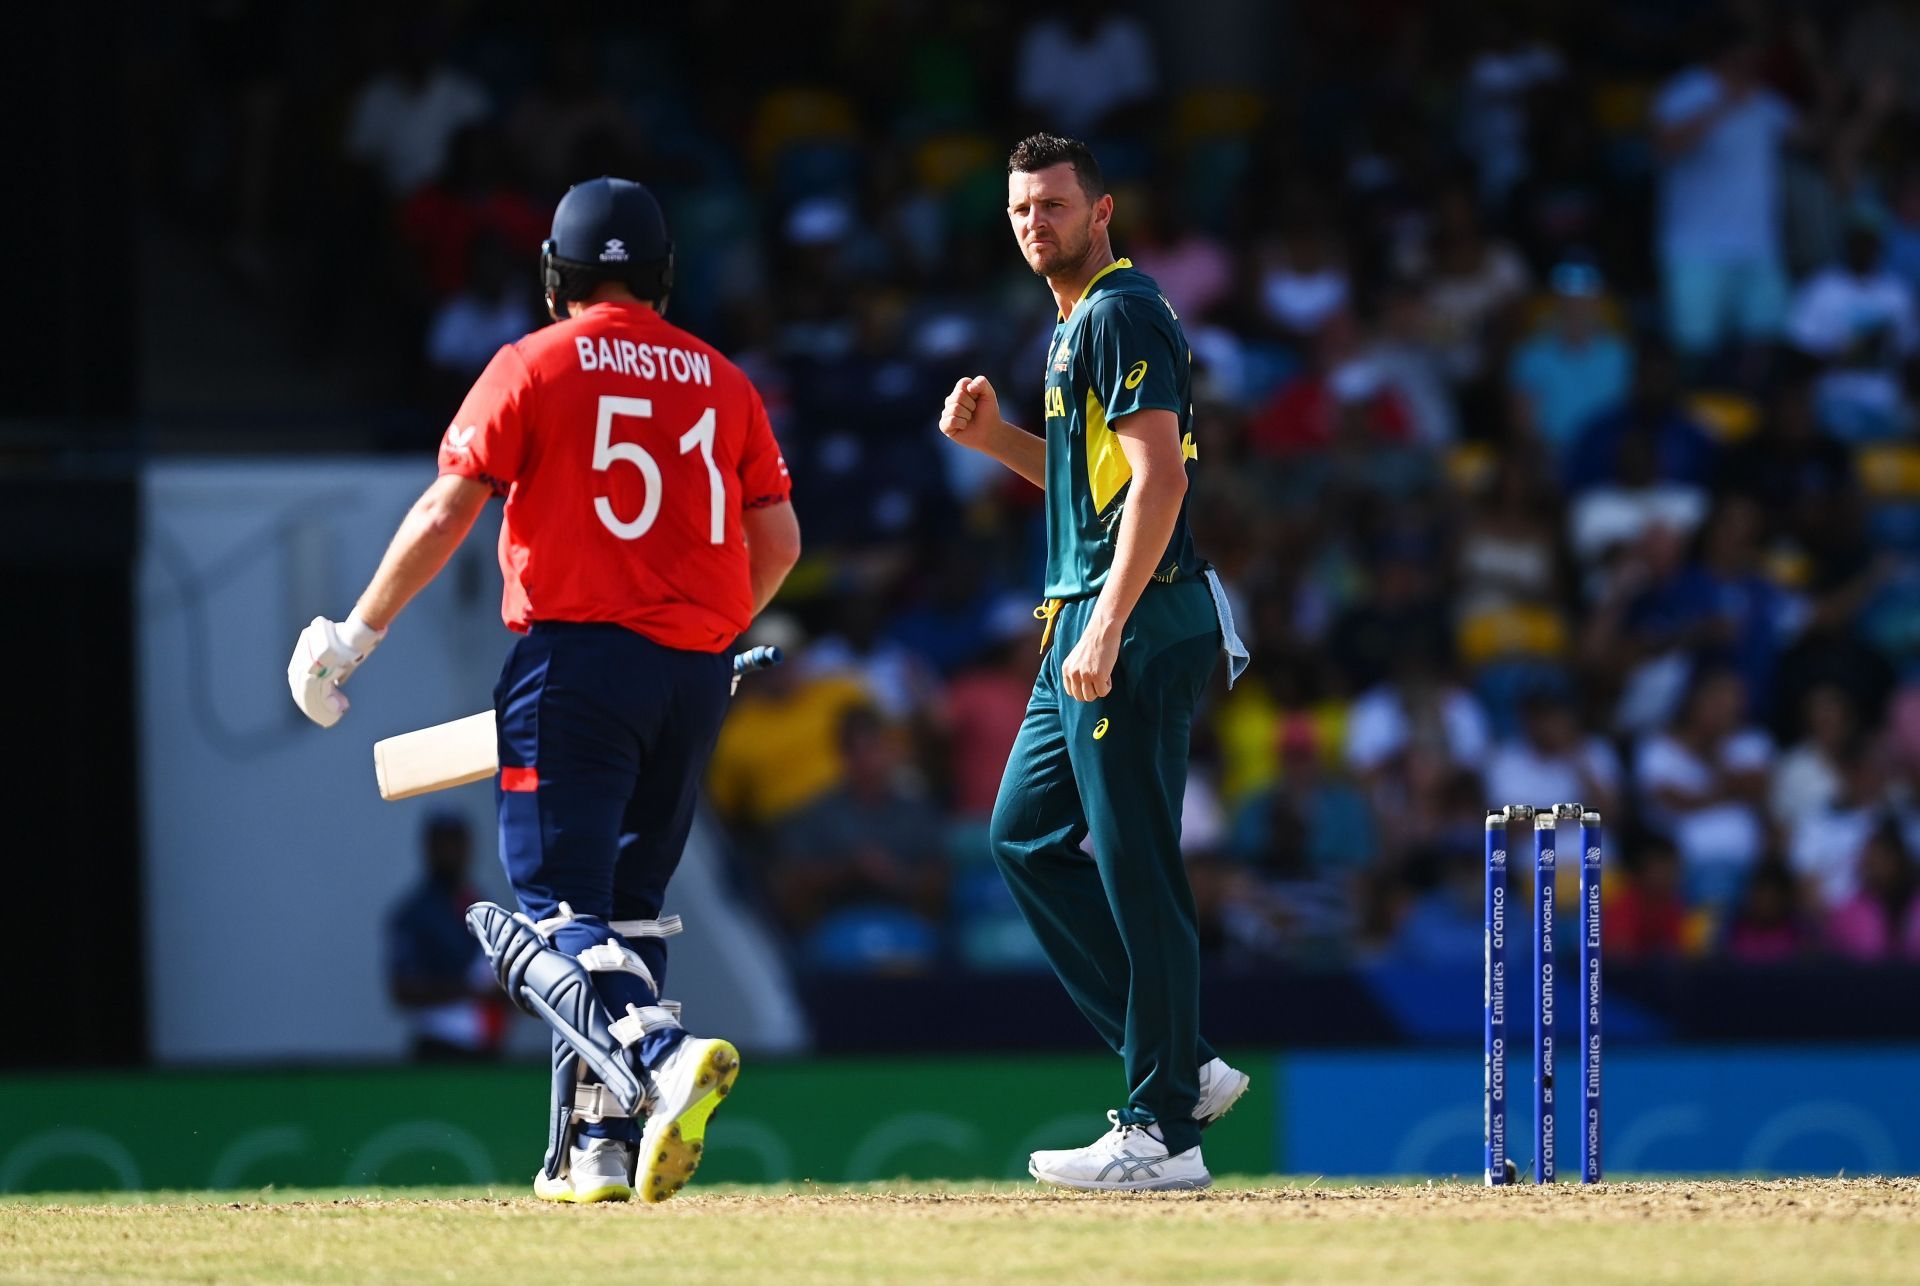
x: 1122, y: 351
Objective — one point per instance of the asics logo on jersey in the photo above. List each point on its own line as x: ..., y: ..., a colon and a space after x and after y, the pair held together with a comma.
x: 615, y: 251
x: 1137, y: 373
x: 1100, y: 730
x: 460, y: 440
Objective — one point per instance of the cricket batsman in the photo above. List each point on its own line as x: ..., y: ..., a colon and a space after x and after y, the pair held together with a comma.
x: 647, y: 522
x: 1134, y: 618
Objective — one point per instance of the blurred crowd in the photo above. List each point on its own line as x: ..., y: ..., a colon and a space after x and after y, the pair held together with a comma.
x: 1555, y: 404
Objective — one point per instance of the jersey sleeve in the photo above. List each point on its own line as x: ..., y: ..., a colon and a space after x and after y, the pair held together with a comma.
x: 763, y: 470
x: 488, y: 438
x: 1132, y: 357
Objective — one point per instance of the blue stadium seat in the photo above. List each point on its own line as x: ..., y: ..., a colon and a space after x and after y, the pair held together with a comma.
x: 877, y: 939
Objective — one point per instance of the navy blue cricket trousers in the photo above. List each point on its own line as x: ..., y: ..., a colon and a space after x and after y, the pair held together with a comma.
x: 604, y: 736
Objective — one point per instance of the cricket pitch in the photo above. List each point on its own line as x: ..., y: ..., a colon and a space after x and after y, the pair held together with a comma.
x: 1243, y: 1230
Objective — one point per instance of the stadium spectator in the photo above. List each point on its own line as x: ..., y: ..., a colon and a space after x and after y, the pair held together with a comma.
x: 1808, y: 778
x: 1801, y: 478
x: 1401, y: 354
x: 1509, y: 545
x: 1503, y: 79
x: 1416, y: 727
x: 404, y: 118
x: 1191, y: 266
x: 1303, y: 280
x: 984, y: 705
x: 859, y: 875
x: 1646, y: 911
x: 1881, y: 919
x: 1313, y: 824
x: 474, y: 199
x: 1574, y: 368
x: 1857, y: 319
x: 1701, y: 784
x: 1902, y: 229
x: 897, y: 681
x: 1475, y: 283
x: 1749, y: 619
x: 779, y: 747
x: 1719, y: 131
x: 1770, y: 926
x: 436, y: 973
x: 1443, y: 923
x: 1652, y: 419
x: 1553, y: 760
x: 1341, y: 403
x: 1827, y: 844
x: 1081, y: 69
x: 568, y: 110
x: 1639, y: 638
x: 1400, y: 625
x: 490, y: 308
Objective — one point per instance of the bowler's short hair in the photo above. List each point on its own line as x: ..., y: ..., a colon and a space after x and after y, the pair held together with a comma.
x: 1044, y: 151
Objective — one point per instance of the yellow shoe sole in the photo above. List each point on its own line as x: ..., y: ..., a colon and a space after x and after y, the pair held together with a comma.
x: 562, y: 1191
x: 670, y: 1155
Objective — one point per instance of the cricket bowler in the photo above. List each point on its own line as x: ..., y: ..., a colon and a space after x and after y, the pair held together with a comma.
x: 647, y: 522
x: 1133, y: 621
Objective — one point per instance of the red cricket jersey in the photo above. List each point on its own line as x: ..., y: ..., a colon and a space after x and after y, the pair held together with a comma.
x: 627, y: 451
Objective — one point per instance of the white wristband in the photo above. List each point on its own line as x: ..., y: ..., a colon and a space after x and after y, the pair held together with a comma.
x: 358, y: 636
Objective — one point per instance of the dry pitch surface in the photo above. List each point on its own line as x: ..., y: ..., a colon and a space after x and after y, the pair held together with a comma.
x: 1244, y: 1230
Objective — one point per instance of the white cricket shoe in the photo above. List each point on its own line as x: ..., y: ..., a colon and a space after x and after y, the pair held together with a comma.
x: 1127, y: 1158
x: 598, y: 1170
x: 688, y: 1084
x: 1220, y: 1088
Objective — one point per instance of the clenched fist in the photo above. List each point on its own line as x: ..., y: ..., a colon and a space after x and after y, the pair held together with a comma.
x: 325, y: 657
x: 971, y: 415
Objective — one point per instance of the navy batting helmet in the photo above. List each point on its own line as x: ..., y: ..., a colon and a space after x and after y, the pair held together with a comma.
x: 606, y: 230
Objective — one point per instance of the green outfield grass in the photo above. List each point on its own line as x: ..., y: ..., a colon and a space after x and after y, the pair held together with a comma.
x: 1245, y: 1229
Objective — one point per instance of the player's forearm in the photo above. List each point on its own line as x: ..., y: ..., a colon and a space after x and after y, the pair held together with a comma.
x: 1146, y: 527
x: 1020, y: 451
x: 767, y: 575
x: 773, y: 547
x: 429, y: 534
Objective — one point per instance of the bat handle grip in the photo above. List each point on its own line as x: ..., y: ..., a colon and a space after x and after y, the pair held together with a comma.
x: 759, y: 658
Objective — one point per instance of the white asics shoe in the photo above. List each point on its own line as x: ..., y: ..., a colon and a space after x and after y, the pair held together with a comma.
x: 1220, y: 1088
x: 597, y: 1170
x: 688, y: 1084
x: 1127, y: 1158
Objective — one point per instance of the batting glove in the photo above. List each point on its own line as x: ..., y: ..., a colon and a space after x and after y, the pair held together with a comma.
x: 324, y: 658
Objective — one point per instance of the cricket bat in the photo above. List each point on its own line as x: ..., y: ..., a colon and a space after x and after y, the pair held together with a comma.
x: 467, y: 750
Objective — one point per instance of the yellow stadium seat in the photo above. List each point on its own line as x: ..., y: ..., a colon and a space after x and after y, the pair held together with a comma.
x: 1789, y: 567
x: 944, y: 161
x: 798, y: 114
x: 1889, y: 470
x: 1470, y: 466
x: 1730, y: 417
x: 1208, y: 113
x: 1622, y: 106
x: 1505, y: 633
x: 1538, y: 313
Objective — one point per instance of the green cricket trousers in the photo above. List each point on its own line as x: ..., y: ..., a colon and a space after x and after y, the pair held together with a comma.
x: 1118, y: 926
